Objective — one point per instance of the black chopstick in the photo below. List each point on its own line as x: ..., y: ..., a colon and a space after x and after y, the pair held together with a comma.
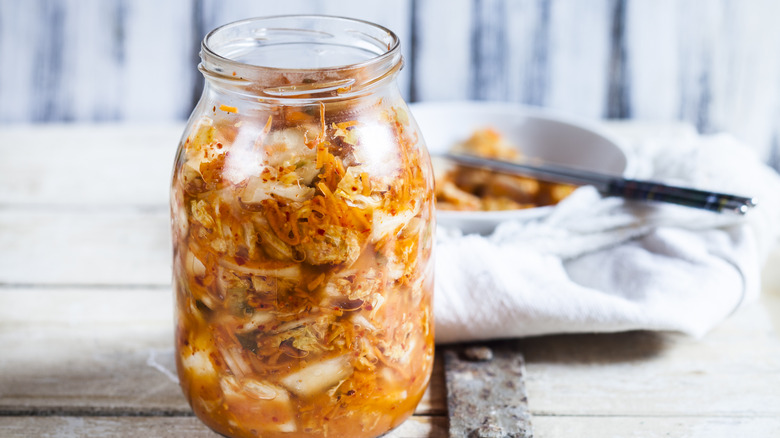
x: 614, y: 185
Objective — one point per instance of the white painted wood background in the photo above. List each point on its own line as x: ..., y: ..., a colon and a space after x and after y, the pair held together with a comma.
x: 713, y: 63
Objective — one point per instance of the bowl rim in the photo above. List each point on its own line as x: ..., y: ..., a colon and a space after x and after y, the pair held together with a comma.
x: 520, y: 110
x: 538, y: 112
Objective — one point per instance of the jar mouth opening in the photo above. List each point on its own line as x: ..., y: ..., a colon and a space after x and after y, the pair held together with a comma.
x: 293, y: 54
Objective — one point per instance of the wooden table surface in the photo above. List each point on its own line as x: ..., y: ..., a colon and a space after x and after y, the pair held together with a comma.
x: 86, y: 343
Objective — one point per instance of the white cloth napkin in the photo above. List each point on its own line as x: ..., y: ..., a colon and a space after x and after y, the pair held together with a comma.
x: 605, y: 265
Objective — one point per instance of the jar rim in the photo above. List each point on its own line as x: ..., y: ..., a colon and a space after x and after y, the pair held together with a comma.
x: 246, y: 55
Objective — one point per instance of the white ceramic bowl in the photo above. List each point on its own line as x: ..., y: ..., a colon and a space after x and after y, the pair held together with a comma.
x: 539, y: 134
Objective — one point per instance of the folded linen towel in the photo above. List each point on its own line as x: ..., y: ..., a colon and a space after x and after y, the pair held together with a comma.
x: 605, y: 264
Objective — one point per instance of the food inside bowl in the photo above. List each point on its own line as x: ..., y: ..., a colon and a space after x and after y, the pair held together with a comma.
x: 463, y: 188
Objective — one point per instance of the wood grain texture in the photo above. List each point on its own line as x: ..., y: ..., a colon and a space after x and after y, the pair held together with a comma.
x: 654, y: 427
x: 93, y: 346
x: 658, y: 374
x: 167, y: 427
x: 436, y: 427
x: 102, y: 352
x: 85, y: 247
x: 99, y: 363
x: 95, y: 60
x: 486, y: 394
x: 442, y: 57
x: 110, y: 165
x: 710, y: 63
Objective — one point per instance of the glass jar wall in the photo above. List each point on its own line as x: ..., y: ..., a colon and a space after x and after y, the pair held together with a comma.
x: 302, y: 218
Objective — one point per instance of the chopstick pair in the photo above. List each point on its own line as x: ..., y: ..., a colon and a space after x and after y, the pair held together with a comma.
x: 615, y: 186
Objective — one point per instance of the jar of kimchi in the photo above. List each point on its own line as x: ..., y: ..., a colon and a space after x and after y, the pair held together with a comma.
x: 302, y: 219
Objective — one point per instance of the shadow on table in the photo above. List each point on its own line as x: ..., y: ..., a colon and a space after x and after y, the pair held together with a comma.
x: 586, y: 348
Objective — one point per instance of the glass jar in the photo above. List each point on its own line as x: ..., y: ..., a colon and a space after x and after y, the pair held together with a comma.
x: 302, y: 219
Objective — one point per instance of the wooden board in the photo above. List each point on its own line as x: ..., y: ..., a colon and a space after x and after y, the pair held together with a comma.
x: 101, y: 352
x: 166, y: 427
x: 486, y: 395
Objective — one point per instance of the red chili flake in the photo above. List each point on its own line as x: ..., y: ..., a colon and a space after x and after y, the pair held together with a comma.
x: 320, y: 231
x: 219, y: 145
x: 240, y: 261
x: 234, y: 73
x: 214, y: 108
x: 274, y: 419
x: 351, y: 392
x: 336, y: 308
x: 368, y: 307
x: 326, y: 418
x: 354, y: 189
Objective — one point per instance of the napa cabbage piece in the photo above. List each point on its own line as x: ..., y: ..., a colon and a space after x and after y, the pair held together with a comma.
x: 257, y: 190
x: 199, y: 364
x: 355, y: 188
x: 387, y: 224
x: 317, y: 377
x: 261, y: 404
x: 287, y: 148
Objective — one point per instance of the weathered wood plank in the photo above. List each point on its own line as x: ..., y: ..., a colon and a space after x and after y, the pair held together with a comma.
x: 728, y: 372
x: 87, y: 247
x: 655, y: 427
x: 710, y: 63
x: 486, y: 395
x: 96, y: 60
x: 429, y: 427
x: 88, y: 352
x: 110, y: 351
x: 101, y: 352
x: 166, y: 427
x: 653, y: 30
x: 75, y: 165
x: 442, y: 51
x: 577, y: 57
x: 159, y: 60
